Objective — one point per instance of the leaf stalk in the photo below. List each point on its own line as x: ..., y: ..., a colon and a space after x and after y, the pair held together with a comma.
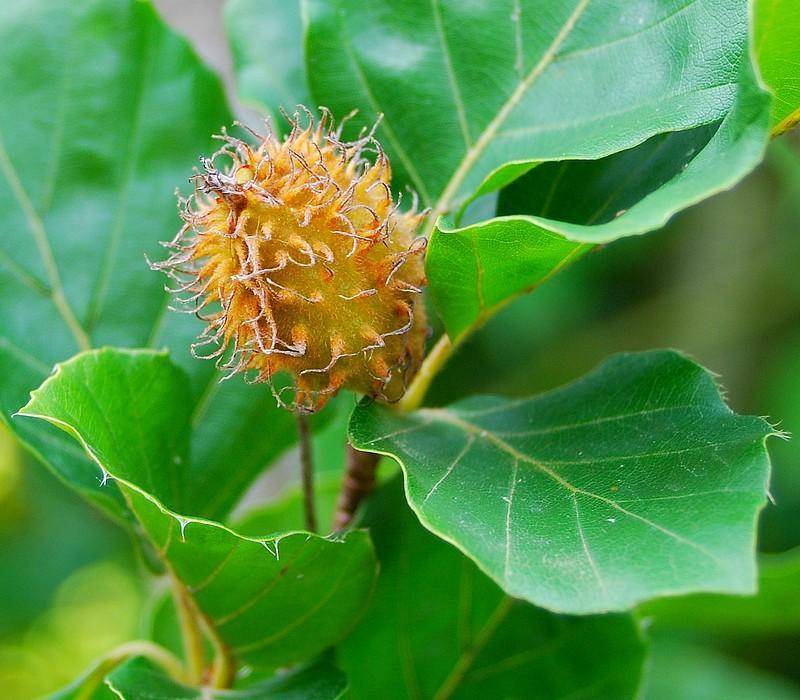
x: 306, y: 470
x: 191, y: 633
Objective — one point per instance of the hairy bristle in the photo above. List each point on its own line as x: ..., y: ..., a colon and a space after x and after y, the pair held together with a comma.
x: 299, y: 260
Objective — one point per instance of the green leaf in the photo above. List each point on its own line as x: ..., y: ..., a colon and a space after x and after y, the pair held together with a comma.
x: 474, y: 95
x: 471, y: 90
x: 586, y: 498
x: 272, y: 600
x: 439, y: 628
x: 235, y: 423
x: 691, y: 672
x: 288, y: 513
x: 84, y: 687
x: 266, y: 38
x: 775, y: 610
x: 103, y: 112
x: 474, y: 271
x: 776, y: 28
x: 138, y: 679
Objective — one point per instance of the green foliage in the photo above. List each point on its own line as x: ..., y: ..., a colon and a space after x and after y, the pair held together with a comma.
x: 139, y: 678
x: 690, y: 672
x: 511, y: 92
x: 123, y: 123
x: 439, y: 628
x: 475, y: 270
x: 776, y: 26
x: 271, y: 600
x: 498, y: 83
x: 268, y: 79
x: 591, y: 500
x: 534, y: 132
x: 774, y: 610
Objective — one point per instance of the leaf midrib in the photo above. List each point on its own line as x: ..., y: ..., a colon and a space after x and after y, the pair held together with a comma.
x: 95, y: 305
x: 472, y: 154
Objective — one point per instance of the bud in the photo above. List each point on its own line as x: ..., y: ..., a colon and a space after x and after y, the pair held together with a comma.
x: 298, y: 259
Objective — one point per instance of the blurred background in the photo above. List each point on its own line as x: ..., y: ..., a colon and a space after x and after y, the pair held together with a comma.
x: 720, y: 282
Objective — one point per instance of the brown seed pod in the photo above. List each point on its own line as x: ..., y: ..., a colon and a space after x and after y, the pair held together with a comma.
x: 299, y: 260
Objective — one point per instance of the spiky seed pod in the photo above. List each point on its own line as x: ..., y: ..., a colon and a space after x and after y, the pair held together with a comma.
x: 299, y: 260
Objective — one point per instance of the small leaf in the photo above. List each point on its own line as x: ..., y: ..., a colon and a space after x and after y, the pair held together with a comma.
x: 266, y: 38
x: 474, y: 271
x: 103, y: 112
x: 587, y: 498
x: 273, y: 600
x: 438, y: 628
x: 138, y: 678
x: 776, y: 28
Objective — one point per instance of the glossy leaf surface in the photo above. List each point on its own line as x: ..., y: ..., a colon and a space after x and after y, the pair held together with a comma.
x: 138, y: 679
x: 632, y: 482
x: 103, y: 113
x: 776, y: 27
x: 467, y: 89
x: 272, y: 600
x: 439, y: 628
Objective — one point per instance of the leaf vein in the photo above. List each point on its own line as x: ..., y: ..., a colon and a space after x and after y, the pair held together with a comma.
x: 396, y: 145
x: 448, y: 417
x: 467, y: 445
x: 585, y: 544
x: 451, y: 77
x: 132, y: 156
x: 472, y: 155
x: 37, y: 229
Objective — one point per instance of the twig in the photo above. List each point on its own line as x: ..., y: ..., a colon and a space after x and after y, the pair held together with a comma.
x: 306, y: 470
x: 359, y: 480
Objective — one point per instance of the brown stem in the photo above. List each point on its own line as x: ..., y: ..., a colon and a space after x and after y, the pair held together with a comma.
x: 359, y: 480
x: 307, y: 471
